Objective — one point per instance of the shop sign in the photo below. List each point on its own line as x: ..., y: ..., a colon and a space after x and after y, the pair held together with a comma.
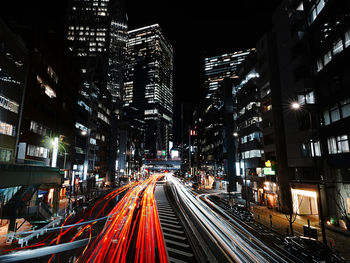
x: 268, y: 171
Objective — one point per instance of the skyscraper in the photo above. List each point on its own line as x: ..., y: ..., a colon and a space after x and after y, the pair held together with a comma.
x: 96, y: 39
x: 149, y: 86
x: 219, y: 67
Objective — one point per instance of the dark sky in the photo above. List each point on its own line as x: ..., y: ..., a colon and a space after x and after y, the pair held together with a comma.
x: 199, y: 29
x: 196, y: 30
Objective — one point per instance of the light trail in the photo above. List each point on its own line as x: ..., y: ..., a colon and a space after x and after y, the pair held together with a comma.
x: 237, y: 243
x: 71, y: 224
x: 132, y: 232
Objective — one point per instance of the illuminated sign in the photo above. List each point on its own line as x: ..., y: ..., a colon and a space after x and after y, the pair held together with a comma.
x: 268, y: 163
x: 268, y: 171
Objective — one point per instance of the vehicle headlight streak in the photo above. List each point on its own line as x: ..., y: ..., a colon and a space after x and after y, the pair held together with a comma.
x: 239, y: 248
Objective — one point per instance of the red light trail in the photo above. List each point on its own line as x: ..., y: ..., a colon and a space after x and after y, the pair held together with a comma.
x: 132, y: 232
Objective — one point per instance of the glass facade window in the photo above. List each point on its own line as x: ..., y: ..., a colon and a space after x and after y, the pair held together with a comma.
x: 338, y: 47
x: 343, y: 144
x: 93, y: 141
x: 347, y: 39
x: 7, y: 129
x: 335, y: 114
x: 339, y: 144
x: 251, y: 154
x: 332, y: 145
x: 5, y: 155
x: 80, y: 126
x: 103, y: 117
x: 316, y: 10
x: 326, y: 118
x: 52, y: 74
x: 319, y: 64
x: 327, y: 57
x: 308, y: 98
x: 316, y: 148
x: 39, y: 128
x: 8, y: 104
x: 37, y: 151
x: 84, y: 105
x: 345, y: 108
x: 311, y: 149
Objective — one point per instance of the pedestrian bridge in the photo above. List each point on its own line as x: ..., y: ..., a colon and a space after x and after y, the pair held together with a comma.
x: 20, y: 174
x: 162, y: 164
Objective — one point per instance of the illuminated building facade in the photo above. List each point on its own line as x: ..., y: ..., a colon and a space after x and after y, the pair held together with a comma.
x: 12, y: 80
x: 149, y: 86
x: 96, y: 38
x: 249, y: 134
x: 219, y: 67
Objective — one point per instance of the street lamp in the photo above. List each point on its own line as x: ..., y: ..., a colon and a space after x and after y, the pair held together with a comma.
x: 54, y: 152
x: 297, y: 106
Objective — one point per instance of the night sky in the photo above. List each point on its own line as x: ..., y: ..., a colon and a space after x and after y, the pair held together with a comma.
x: 196, y: 30
x: 199, y: 29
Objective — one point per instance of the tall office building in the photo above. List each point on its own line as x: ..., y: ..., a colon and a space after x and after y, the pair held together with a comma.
x: 96, y: 39
x: 117, y: 49
x: 149, y: 86
x: 219, y: 67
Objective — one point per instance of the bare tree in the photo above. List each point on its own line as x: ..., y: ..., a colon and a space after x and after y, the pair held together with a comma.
x: 342, y: 207
x: 292, y: 216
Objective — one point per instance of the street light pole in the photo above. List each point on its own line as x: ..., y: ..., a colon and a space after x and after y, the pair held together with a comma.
x: 297, y: 106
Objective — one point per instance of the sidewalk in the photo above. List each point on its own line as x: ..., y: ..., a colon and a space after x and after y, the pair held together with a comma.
x: 280, y: 224
x: 339, y: 237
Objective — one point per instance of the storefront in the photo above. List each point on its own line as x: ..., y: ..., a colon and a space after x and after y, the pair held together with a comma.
x: 270, y: 197
x: 304, y: 198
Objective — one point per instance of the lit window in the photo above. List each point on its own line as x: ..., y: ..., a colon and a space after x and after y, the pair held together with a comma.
x: 339, y: 144
x: 316, y: 9
x: 7, y: 129
x: 8, y: 104
x: 84, y: 105
x: 39, y: 128
x: 5, y: 155
x: 49, y: 91
x: 326, y: 118
x: 327, y: 57
x: 80, y: 126
x: 347, y: 39
x: 52, y: 74
x: 315, y: 148
x: 345, y: 108
x: 37, y: 151
x: 343, y: 144
x: 337, y: 47
x: 335, y: 115
x: 332, y: 145
x: 319, y: 64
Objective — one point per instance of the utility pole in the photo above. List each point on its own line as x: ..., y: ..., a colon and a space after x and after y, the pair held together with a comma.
x: 189, y: 148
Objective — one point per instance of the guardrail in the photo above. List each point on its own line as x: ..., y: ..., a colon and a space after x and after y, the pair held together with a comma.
x: 39, y: 232
x: 43, y: 251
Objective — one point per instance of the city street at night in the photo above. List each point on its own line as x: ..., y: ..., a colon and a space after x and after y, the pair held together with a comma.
x: 180, y: 132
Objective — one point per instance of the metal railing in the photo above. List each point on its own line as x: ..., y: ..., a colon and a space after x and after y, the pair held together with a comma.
x: 39, y: 232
